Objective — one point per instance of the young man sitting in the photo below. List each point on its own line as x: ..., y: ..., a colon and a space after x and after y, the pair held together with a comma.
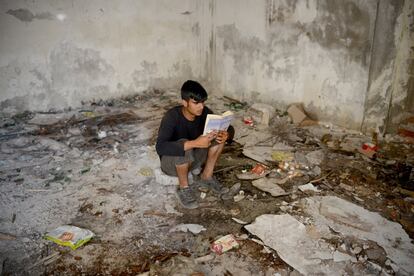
x: 182, y: 147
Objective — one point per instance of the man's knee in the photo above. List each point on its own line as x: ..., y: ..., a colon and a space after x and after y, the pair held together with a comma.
x: 215, y: 148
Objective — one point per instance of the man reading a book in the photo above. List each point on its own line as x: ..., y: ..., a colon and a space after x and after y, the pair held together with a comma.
x: 182, y: 147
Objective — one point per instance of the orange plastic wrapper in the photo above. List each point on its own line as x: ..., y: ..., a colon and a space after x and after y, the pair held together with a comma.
x: 259, y: 169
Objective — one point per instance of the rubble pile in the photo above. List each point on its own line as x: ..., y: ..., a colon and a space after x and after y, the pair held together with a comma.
x: 303, y: 197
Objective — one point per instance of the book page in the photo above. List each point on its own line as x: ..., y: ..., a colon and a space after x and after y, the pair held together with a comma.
x: 217, y: 122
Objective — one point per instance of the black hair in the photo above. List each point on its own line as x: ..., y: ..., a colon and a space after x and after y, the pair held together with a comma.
x: 193, y: 90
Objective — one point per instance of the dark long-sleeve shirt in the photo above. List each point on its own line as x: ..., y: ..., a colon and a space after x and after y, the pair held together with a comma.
x: 174, y: 126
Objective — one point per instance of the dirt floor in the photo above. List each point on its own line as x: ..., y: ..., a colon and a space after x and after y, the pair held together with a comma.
x: 96, y: 167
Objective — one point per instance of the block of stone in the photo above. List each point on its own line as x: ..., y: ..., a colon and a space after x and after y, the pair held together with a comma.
x: 262, y: 113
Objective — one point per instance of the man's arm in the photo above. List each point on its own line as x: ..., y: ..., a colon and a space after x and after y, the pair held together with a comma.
x: 203, y: 141
x: 164, y: 144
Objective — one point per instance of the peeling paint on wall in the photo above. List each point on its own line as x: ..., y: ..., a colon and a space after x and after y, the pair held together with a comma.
x: 314, y: 52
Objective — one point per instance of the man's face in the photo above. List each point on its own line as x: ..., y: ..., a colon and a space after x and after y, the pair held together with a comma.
x: 194, y: 107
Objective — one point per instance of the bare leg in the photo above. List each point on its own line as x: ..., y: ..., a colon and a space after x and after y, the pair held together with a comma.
x: 212, y: 157
x: 182, y: 173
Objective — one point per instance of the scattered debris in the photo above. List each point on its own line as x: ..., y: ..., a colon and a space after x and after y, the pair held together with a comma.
x: 262, y: 113
x: 224, y: 244
x: 97, y: 168
x: 193, y: 228
x: 308, y: 187
x: 268, y: 185
x: 239, y: 221
x: 259, y: 169
x: 71, y: 236
x: 350, y: 219
x: 7, y: 237
x: 240, y: 196
x: 289, y: 238
x: 234, y: 190
x: 298, y: 116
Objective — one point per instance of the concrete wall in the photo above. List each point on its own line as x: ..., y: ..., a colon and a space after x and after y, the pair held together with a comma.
x: 390, y: 96
x: 348, y: 61
x: 55, y: 54
x: 280, y: 51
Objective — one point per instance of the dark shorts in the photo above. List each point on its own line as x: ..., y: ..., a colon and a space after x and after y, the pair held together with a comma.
x: 196, y: 157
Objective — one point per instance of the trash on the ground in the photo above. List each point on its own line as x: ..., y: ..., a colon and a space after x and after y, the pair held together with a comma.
x: 259, y: 169
x: 296, y: 113
x: 193, y: 228
x: 248, y: 121
x: 368, y: 150
x: 279, y: 156
x: 204, y: 259
x: 146, y: 171
x: 239, y: 221
x: 71, y: 236
x: 240, y: 196
x: 315, y: 157
x: 369, y: 146
x: 352, y: 220
x: 280, y: 146
x: 176, y: 265
x: 7, y: 237
x: 308, y: 187
x: 269, y: 185
x: 47, y: 260
x: 224, y: 244
x: 289, y: 238
x: 262, y: 113
x: 346, y: 187
x: 232, y: 192
x: 250, y: 175
x: 102, y: 134
x: 203, y: 195
x: 260, y: 154
x: 406, y: 127
x: 341, y: 257
x: 299, y: 117
x: 234, y: 104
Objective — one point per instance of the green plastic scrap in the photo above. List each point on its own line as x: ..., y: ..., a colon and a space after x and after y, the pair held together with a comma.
x: 71, y: 236
x: 282, y: 156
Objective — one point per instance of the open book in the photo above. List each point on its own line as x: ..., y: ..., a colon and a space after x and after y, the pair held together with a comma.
x: 217, y: 122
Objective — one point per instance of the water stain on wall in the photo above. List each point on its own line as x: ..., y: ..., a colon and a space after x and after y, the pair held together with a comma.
x: 345, y: 26
x: 338, y: 24
x: 27, y: 16
x: 72, y: 66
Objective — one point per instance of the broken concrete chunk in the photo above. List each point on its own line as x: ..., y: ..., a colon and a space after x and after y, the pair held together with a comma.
x: 296, y: 113
x: 315, y: 157
x: 289, y: 238
x: 269, y: 185
x: 205, y: 258
x: 239, y: 221
x: 262, y: 113
x: 193, y: 228
x: 376, y: 254
x: 352, y: 220
x: 282, y: 147
x: 260, y: 154
x: 346, y: 187
x: 240, y: 196
x: 342, y: 257
x: 308, y: 187
x: 232, y: 192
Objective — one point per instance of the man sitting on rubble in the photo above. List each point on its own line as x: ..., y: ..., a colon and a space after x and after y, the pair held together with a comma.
x: 182, y: 147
